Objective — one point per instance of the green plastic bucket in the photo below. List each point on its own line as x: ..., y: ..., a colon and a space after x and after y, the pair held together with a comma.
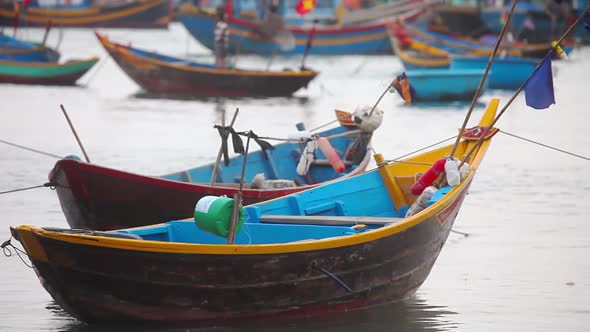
x: 213, y: 215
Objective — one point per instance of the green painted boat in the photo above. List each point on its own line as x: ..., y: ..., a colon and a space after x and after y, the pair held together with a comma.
x: 45, y: 73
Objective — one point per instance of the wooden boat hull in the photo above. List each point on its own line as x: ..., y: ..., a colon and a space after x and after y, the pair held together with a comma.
x: 95, y: 283
x: 369, y: 39
x: 170, y: 78
x: 44, y: 73
x: 506, y: 73
x: 444, y: 84
x: 109, y: 277
x: 137, y: 14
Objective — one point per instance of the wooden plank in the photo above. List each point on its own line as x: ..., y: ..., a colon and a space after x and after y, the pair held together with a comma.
x: 327, y: 220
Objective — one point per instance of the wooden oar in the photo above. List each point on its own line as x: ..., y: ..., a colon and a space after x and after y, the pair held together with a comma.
x: 75, y: 133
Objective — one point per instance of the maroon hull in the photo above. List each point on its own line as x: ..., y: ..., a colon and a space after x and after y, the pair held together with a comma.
x: 166, y: 75
x: 100, y: 198
x: 170, y: 288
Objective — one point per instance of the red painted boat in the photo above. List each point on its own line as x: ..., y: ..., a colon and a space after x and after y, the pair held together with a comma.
x: 102, y: 198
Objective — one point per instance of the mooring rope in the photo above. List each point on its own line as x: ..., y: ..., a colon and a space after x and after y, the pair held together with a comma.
x: 31, y: 149
x: 18, y: 251
x: 396, y: 160
x: 545, y: 146
x: 48, y: 184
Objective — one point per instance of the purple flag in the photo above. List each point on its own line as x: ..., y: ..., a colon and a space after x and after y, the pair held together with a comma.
x: 538, y: 90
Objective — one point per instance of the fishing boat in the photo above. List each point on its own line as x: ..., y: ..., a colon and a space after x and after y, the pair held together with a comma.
x: 414, y: 56
x: 506, y: 72
x: 246, y: 37
x: 44, y: 73
x: 421, y: 49
x: 124, y: 14
x: 19, y: 50
x: 444, y: 84
x: 163, y: 74
x: 343, y: 246
x: 102, y: 198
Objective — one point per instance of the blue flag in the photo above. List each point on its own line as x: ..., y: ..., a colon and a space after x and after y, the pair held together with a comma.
x: 586, y: 22
x: 538, y: 90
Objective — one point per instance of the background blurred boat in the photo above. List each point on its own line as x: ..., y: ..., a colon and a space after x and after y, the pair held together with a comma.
x: 506, y: 72
x: 134, y: 14
x: 246, y: 36
x: 167, y: 75
x: 19, y: 50
x: 444, y: 84
x: 44, y: 73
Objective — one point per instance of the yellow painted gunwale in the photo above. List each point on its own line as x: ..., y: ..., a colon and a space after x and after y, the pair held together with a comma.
x: 36, y: 251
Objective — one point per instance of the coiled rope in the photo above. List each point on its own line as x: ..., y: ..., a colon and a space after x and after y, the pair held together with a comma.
x: 6, y: 250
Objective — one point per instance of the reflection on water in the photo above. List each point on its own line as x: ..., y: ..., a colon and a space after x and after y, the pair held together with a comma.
x: 411, y: 315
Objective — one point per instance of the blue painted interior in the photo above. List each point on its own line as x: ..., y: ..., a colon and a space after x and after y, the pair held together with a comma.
x: 439, y: 194
x: 61, y: 4
x: 8, y: 43
x: 362, y: 195
x: 281, y: 164
x: 13, y: 43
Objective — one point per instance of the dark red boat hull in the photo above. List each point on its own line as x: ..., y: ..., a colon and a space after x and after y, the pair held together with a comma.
x: 98, y: 284
x: 100, y: 198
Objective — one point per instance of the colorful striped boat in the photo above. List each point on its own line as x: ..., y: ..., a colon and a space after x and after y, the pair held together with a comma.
x: 344, y: 246
x: 134, y: 14
x: 169, y: 76
x: 327, y: 40
x: 44, y: 73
